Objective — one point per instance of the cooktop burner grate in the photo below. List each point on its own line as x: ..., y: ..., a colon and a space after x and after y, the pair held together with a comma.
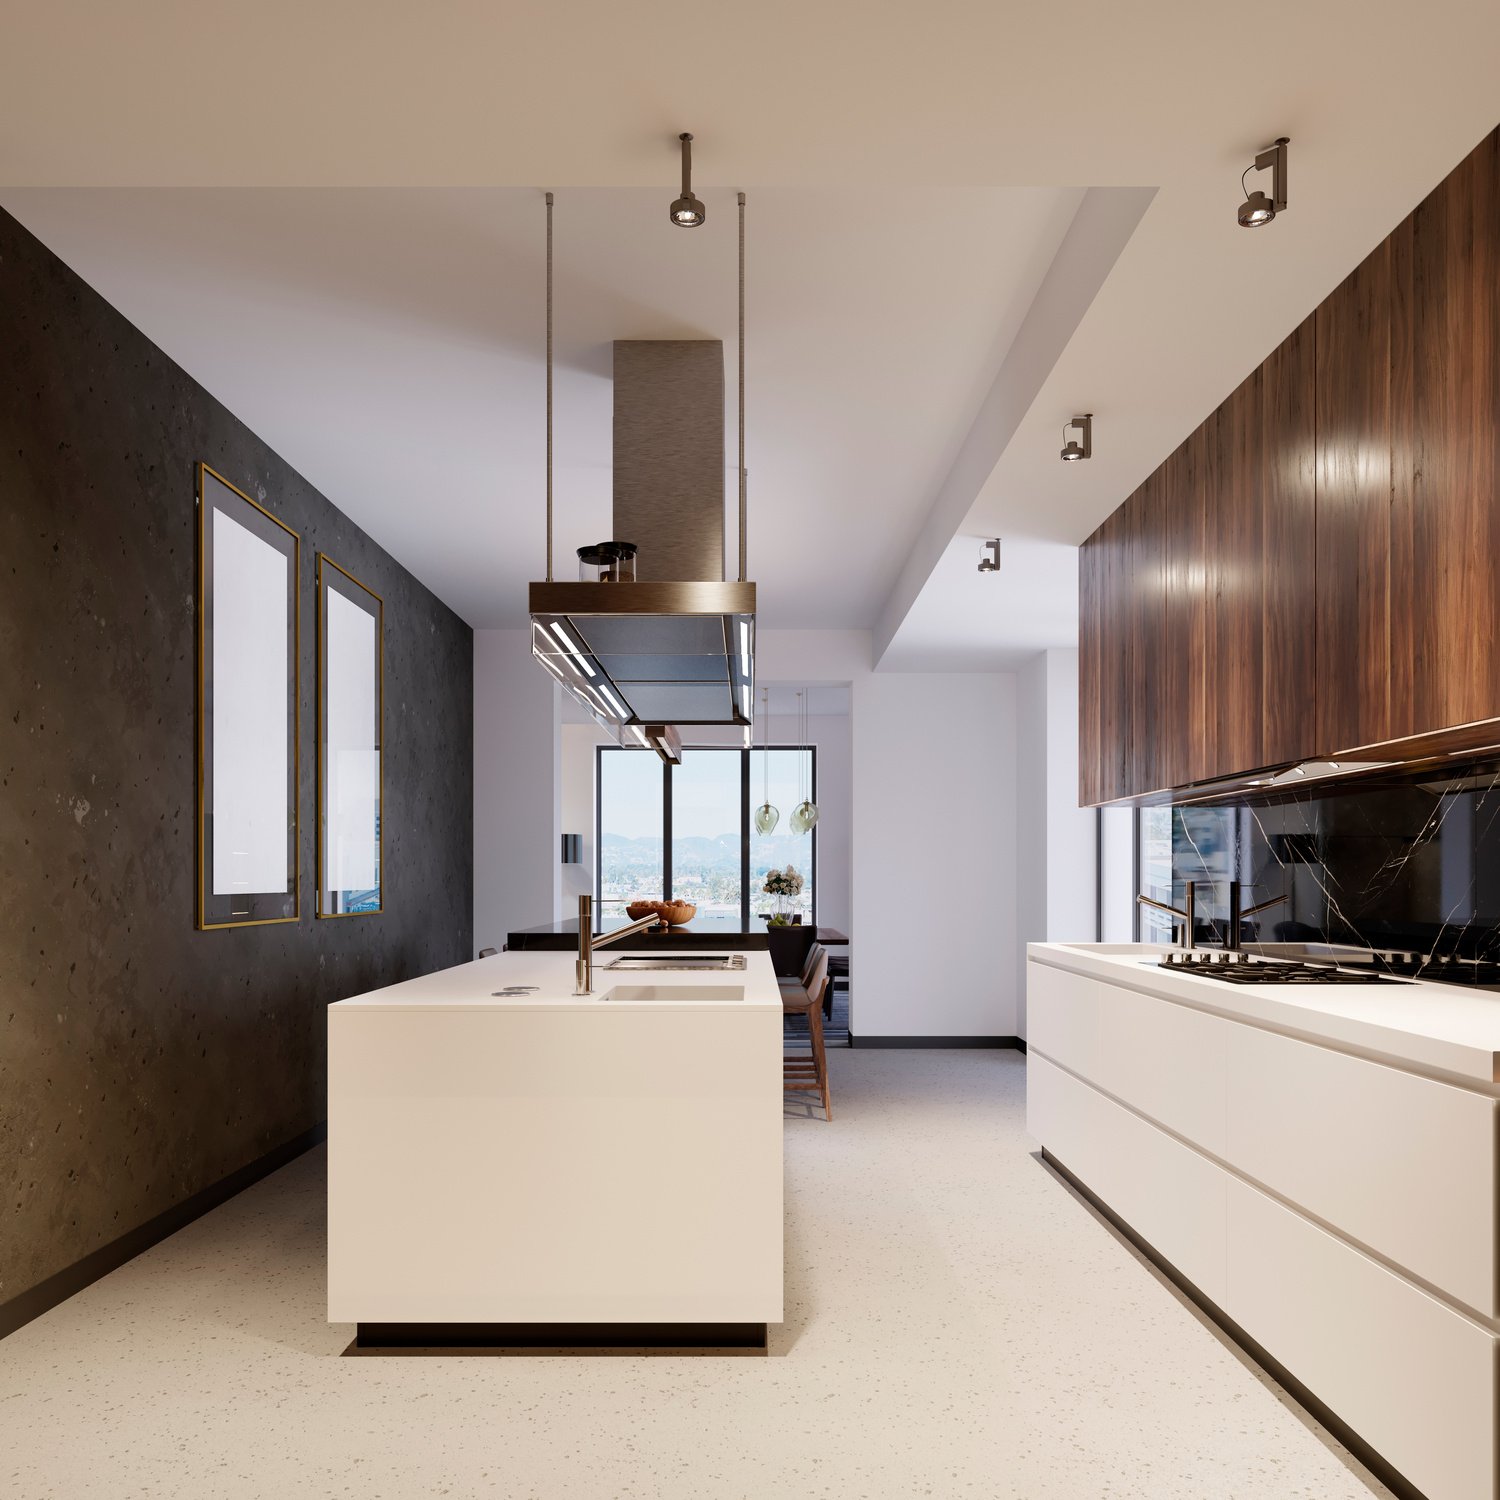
x: 1242, y: 969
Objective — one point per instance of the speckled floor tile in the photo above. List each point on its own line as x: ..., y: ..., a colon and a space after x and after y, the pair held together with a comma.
x: 958, y: 1325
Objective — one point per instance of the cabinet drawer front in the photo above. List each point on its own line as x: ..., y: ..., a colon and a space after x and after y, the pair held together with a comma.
x: 1403, y: 1164
x: 1062, y: 1016
x: 1412, y: 1377
x: 1165, y: 1060
x: 1170, y: 1196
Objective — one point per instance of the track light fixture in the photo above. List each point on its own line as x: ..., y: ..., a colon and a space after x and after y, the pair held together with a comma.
x: 687, y: 210
x: 1257, y: 209
x: 1072, y: 449
x: 991, y: 563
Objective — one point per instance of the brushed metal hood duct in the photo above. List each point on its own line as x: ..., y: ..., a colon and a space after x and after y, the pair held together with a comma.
x: 675, y: 644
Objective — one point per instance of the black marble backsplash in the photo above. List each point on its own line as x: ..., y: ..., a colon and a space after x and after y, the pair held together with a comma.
x: 1409, y: 867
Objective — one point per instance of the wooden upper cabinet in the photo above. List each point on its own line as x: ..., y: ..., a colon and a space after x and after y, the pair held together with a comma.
x: 1317, y: 569
x: 1145, y: 555
x: 1445, y: 396
x: 1114, y: 658
x: 1182, y: 727
x: 1354, y: 510
x: 1289, y: 518
x: 1090, y: 684
x: 1235, y: 579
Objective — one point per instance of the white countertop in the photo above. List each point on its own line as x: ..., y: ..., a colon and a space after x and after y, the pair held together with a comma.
x: 1447, y: 1028
x: 472, y: 986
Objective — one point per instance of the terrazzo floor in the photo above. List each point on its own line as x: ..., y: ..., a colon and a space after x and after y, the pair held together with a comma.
x: 958, y: 1324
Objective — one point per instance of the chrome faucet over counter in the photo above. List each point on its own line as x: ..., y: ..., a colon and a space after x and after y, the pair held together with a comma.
x: 1188, y: 913
x: 587, y: 942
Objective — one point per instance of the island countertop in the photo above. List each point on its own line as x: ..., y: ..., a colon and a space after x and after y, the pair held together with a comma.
x: 473, y: 986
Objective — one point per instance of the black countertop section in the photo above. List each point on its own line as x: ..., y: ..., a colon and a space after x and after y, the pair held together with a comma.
x: 702, y: 933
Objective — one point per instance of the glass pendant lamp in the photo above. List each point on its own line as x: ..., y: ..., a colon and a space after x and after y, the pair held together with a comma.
x: 766, y: 816
x: 805, y: 815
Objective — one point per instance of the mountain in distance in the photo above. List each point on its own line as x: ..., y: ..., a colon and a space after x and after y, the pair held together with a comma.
x: 719, y: 853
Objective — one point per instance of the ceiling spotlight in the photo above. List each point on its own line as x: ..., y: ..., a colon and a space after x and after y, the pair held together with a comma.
x: 1072, y: 449
x: 687, y: 210
x: 1257, y: 209
x: 991, y: 564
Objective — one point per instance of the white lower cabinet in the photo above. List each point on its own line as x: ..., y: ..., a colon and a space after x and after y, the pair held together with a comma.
x: 1404, y: 1165
x: 1172, y: 1197
x: 1166, y: 1060
x: 1314, y: 1196
x: 1410, y: 1375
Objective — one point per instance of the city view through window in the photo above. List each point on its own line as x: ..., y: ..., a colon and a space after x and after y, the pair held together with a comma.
x: 706, y: 803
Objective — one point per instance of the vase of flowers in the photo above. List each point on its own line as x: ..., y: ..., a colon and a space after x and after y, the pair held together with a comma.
x: 784, y: 885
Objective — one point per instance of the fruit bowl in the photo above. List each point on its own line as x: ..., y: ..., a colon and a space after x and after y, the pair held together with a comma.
x: 638, y: 909
x: 677, y: 913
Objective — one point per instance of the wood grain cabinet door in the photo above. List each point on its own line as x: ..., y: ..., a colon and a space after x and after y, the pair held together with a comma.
x: 1289, y: 507
x: 1235, y: 584
x: 1090, y: 684
x: 1445, y: 514
x: 1183, y: 696
x: 1144, y: 545
x: 1354, y: 509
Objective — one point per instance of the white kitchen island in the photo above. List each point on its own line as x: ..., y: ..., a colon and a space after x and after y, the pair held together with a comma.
x: 546, y: 1168
x: 1319, y: 1165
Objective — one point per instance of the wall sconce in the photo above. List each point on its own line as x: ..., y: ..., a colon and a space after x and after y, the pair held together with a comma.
x: 991, y: 564
x: 572, y: 848
x: 1257, y: 209
x: 1072, y: 449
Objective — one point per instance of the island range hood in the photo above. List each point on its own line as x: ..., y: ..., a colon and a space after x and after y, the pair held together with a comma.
x: 653, y: 637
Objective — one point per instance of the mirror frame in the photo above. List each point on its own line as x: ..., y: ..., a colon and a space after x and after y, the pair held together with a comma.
x: 328, y: 581
x: 258, y: 902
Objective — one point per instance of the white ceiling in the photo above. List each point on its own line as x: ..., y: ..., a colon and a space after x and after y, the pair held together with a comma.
x: 336, y: 265
x: 389, y: 344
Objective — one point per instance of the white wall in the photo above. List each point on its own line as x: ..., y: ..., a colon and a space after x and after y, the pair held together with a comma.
x: 1057, y: 900
x: 935, y: 855
x: 517, y: 809
x: 933, y: 781
x: 576, y: 798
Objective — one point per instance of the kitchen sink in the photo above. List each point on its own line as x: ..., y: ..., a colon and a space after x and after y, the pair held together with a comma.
x: 694, y: 993
x: 676, y: 962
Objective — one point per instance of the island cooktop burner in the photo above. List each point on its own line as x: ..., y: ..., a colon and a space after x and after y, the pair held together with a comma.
x: 1241, y: 968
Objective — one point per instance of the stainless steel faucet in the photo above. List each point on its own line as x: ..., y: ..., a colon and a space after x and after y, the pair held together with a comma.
x: 587, y: 942
x: 1187, y: 915
x: 1236, y: 916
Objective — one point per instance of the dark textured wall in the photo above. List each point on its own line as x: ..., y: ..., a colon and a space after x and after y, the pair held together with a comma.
x: 140, y: 1060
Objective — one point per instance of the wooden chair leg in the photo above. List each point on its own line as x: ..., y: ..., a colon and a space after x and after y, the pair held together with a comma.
x: 820, y: 1056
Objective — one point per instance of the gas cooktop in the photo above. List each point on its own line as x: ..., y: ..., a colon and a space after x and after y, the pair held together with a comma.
x: 1242, y: 968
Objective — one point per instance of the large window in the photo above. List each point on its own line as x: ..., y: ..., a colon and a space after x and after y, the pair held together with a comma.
x: 789, y: 771
x: 685, y: 832
x: 630, y: 839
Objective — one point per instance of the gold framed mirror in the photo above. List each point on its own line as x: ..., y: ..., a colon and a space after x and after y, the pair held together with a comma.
x: 351, y: 715
x: 248, y: 691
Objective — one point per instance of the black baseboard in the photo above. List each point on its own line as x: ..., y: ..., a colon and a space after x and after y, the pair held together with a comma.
x: 1392, y: 1478
x: 571, y: 1336
x: 45, y: 1295
x: 1014, y: 1043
